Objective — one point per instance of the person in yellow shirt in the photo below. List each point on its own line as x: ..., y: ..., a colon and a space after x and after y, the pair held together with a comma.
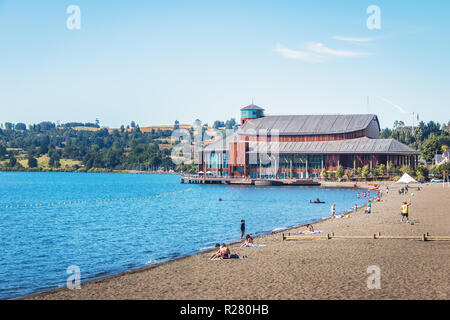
x: 405, y: 211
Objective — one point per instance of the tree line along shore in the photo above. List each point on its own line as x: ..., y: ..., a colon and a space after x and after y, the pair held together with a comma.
x: 78, y: 147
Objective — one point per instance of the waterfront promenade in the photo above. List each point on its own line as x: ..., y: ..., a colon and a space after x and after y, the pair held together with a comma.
x: 201, y: 179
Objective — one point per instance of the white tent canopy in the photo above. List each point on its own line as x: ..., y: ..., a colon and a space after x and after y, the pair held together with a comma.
x: 406, y: 178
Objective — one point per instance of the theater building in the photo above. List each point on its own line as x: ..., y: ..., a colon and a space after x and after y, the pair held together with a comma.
x: 301, y: 146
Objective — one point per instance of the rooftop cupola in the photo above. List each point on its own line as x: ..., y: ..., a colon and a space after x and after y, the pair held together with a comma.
x: 251, y: 112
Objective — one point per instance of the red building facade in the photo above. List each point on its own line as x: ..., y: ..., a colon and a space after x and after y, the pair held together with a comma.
x: 302, y: 146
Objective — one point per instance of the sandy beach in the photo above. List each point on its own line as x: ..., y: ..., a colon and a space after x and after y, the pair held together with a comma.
x: 321, y: 269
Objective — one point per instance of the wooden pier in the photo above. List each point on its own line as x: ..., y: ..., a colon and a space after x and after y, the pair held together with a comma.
x: 248, y: 181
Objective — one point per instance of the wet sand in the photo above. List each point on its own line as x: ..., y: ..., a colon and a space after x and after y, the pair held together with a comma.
x: 320, y: 269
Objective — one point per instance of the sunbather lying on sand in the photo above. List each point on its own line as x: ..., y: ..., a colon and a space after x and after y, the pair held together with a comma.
x: 310, y: 230
x: 248, y: 241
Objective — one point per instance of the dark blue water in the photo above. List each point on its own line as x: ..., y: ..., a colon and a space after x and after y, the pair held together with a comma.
x: 108, y: 223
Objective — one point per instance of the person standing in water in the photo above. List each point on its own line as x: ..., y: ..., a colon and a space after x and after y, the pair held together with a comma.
x: 333, y: 210
x: 242, y: 229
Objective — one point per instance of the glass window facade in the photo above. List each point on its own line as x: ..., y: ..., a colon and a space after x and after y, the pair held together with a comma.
x: 299, y: 161
x: 315, y: 162
x: 211, y: 161
x: 251, y: 113
x: 285, y: 161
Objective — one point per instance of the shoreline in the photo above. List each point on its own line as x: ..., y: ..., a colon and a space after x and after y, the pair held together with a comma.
x: 208, y: 251
x: 301, y: 269
x: 158, y: 264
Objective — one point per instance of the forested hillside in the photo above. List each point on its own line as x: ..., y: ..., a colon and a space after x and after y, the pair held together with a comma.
x: 82, y: 147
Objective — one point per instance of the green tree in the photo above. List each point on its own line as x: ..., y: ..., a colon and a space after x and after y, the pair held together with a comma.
x: 12, y: 160
x: 324, y: 173
x: 422, y: 171
x: 32, y: 162
x: 3, y: 152
x: 340, y: 172
x: 20, y: 126
x: 407, y: 169
x: 380, y: 170
x: 430, y: 147
x: 365, y: 171
x: 359, y: 171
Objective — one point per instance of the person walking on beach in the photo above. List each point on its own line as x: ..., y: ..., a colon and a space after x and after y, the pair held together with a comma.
x: 405, y: 211
x: 242, y: 229
x: 369, y: 206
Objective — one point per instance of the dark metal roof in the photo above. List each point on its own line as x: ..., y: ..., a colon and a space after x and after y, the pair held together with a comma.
x: 307, y: 124
x: 362, y: 145
x: 252, y: 107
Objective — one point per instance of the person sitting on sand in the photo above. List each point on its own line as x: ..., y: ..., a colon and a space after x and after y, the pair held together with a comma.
x: 310, y: 228
x: 248, y: 241
x: 225, y: 251
x: 216, y: 254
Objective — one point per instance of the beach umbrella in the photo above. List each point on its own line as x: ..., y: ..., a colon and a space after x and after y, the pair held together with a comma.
x: 200, y: 172
x: 405, y: 179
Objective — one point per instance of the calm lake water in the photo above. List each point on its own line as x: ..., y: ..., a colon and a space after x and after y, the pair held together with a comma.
x: 109, y: 223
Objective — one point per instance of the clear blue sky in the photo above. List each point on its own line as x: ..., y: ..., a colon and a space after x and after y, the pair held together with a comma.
x: 160, y: 61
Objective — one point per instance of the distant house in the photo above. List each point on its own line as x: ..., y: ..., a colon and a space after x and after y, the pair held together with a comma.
x: 442, y: 158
